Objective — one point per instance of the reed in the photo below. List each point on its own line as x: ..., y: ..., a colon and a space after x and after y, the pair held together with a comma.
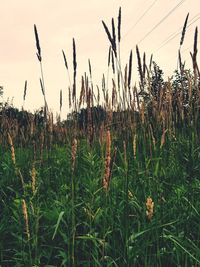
x: 149, y: 208
x: 113, y: 62
x: 135, y: 146
x: 108, y: 35
x: 25, y: 90
x: 119, y: 25
x: 106, y: 178
x: 73, y: 154
x: 74, y: 75
x: 39, y: 56
x: 114, y: 45
x: 12, y: 149
x: 195, y: 50
x: 184, y: 30
x: 69, y: 79
x: 82, y: 93
x: 130, y: 69
x: 33, y: 178
x: 144, y: 65
x: 139, y: 65
x: 26, y: 221
x: 65, y: 59
x: 60, y: 100
x: 73, y: 184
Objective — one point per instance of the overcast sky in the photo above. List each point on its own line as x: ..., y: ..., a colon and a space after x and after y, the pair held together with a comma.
x: 59, y: 21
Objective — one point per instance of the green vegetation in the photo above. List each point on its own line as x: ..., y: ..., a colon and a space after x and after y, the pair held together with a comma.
x: 117, y: 183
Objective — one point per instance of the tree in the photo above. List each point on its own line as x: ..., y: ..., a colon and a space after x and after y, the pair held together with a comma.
x: 1, y: 94
x: 1, y: 90
x: 157, y: 81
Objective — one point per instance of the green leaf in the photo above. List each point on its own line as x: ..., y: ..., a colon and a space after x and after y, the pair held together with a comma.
x: 58, y: 223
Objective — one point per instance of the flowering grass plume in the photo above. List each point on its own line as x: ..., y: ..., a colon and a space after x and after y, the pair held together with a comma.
x: 149, y: 208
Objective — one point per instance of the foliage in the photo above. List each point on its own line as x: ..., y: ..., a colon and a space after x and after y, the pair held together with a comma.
x: 117, y: 183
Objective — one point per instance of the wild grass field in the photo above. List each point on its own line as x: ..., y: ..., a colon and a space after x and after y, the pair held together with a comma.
x: 115, y: 184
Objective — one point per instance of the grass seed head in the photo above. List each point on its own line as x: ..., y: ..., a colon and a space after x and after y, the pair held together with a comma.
x: 37, y: 44
x: 33, y: 179
x: 25, y: 214
x: 73, y: 153
x: 149, y: 208
x: 12, y: 149
x: 184, y: 30
x: 119, y: 25
x: 135, y: 145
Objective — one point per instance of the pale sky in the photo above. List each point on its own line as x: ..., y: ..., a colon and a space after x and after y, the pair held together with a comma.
x: 59, y: 21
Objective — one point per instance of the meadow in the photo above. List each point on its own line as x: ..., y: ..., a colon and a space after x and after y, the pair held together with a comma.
x: 115, y: 184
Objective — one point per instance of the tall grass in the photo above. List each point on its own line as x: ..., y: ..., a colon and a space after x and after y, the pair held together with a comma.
x: 117, y: 183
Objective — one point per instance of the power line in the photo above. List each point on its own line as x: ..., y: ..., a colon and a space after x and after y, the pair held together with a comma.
x: 177, y: 31
x: 161, y: 21
x: 140, y: 18
x: 174, y: 36
x: 183, y: 51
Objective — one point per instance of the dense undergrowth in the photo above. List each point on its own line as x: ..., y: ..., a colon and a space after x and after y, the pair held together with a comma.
x: 110, y: 228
